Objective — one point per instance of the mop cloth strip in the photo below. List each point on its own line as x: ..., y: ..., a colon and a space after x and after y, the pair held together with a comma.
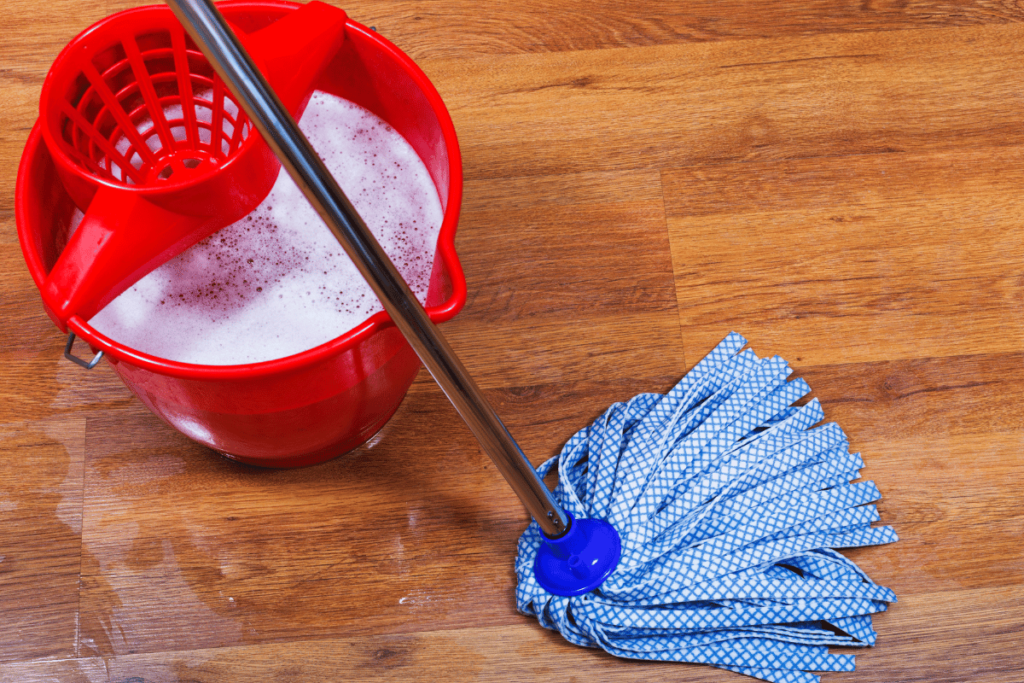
x: 729, y: 504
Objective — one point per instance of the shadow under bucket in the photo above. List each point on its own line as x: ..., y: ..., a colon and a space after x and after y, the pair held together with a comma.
x: 314, y: 405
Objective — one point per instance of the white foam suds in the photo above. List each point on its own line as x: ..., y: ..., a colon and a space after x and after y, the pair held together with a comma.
x: 277, y: 282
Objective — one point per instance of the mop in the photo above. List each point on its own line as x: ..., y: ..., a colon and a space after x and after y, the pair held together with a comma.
x: 729, y: 506
x: 698, y: 526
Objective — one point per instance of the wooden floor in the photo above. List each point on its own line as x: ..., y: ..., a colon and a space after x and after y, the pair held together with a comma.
x: 839, y: 181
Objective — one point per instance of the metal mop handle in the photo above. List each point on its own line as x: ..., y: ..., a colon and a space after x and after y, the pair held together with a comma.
x: 232, y: 63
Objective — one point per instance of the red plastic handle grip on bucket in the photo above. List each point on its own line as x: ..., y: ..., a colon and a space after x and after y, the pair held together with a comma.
x: 149, y: 144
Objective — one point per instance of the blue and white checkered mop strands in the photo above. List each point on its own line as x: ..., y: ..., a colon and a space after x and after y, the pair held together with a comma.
x: 729, y: 506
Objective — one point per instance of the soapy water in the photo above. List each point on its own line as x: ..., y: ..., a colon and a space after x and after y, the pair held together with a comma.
x: 277, y: 283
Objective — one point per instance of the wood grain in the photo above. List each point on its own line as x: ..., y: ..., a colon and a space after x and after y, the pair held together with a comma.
x: 41, y: 508
x: 838, y: 181
x: 668, y: 106
x: 837, y: 252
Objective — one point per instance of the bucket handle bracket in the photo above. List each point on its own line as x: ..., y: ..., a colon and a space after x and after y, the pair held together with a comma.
x: 88, y: 365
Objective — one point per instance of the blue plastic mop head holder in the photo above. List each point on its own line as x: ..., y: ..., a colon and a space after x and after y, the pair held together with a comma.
x: 579, y: 561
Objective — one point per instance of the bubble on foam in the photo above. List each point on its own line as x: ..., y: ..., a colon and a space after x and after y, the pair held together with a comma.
x: 277, y: 282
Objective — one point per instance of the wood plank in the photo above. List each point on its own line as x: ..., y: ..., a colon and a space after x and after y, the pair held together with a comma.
x: 543, y: 193
x: 957, y: 519
x: 41, y: 518
x: 854, y: 259
x: 600, y: 259
x: 972, y: 178
x: 686, y: 105
x: 919, y: 647
x: 950, y: 397
x: 913, y: 630
x: 43, y: 29
x: 465, y: 654
x: 19, y: 109
x: 437, y: 29
x: 21, y: 307
x: 549, y: 304
x: 571, y: 350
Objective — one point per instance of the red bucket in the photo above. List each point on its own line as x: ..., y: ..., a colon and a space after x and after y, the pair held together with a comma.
x: 323, y: 402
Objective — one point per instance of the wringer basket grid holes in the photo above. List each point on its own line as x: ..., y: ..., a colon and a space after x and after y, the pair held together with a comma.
x: 149, y: 108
